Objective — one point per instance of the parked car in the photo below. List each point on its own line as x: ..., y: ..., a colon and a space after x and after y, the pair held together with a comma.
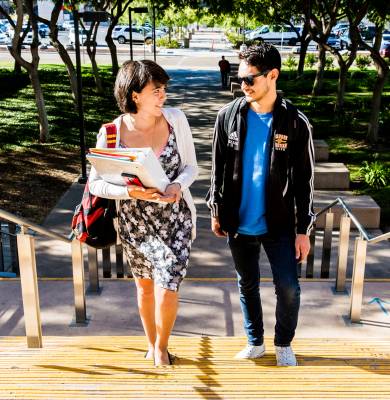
x: 138, y: 35
x: 67, y: 25
x: 340, y: 27
x: 277, y: 34
x: 385, y: 38
x: 4, y: 39
x: 385, y: 50
x: 29, y: 38
x: 334, y: 41
x: 43, y: 30
x: 83, y: 37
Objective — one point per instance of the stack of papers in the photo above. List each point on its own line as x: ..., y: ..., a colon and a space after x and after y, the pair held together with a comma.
x: 110, y: 164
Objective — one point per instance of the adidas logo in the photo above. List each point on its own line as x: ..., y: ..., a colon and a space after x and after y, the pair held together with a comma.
x: 233, y: 139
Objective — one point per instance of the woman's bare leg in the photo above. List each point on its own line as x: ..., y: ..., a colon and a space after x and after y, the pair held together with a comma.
x: 146, y: 307
x: 166, y: 311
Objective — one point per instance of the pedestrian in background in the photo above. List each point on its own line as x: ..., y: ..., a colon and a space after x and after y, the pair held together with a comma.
x: 224, y: 67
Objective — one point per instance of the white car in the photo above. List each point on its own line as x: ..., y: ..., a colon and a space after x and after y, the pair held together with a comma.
x: 83, y: 35
x: 138, y: 35
x: 4, y: 39
x: 276, y: 34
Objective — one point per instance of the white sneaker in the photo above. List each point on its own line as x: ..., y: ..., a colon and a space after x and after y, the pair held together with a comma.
x: 251, y: 351
x: 285, y: 357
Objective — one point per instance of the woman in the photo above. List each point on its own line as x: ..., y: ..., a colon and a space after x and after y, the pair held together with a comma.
x: 156, y: 237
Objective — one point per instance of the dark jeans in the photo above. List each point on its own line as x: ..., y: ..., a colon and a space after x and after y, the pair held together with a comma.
x: 224, y: 78
x: 281, y: 255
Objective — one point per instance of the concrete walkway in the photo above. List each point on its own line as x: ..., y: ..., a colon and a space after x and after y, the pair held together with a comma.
x: 209, y: 304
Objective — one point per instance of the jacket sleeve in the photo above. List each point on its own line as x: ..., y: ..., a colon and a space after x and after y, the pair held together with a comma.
x: 303, y: 176
x: 97, y: 186
x: 214, y: 195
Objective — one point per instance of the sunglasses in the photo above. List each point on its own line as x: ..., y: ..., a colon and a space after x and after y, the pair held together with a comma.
x: 250, y: 79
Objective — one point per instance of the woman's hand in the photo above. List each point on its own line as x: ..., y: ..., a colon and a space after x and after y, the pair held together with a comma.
x: 141, y: 193
x: 172, y: 193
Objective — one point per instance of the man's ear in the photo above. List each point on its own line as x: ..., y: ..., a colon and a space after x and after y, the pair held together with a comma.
x: 274, y: 73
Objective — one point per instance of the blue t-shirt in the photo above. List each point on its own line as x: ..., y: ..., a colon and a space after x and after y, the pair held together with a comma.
x: 254, y: 174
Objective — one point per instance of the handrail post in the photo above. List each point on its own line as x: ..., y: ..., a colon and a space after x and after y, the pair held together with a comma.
x: 327, y: 244
x: 342, y: 260
x: 119, y: 261
x: 359, y: 263
x: 78, y: 282
x: 310, y: 257
x: 106, y: 254
x: 30, y: 295
x: 93, y: 271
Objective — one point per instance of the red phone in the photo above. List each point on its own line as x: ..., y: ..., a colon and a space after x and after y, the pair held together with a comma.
x: 132, y: 179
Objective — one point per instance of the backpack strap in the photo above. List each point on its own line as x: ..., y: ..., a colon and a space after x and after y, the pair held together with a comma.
x: 230, y: 115
x: 110, y: 134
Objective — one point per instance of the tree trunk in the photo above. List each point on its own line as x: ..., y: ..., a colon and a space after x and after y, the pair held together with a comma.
x: 343, y: 70
x: 91, y: 50
x: 319, y: 80
x: 69, y: 66
x: 383, y: 71
x: 40, y: 103
x: 17, y: 66
x: 112, y: 47
x: 302, y: 56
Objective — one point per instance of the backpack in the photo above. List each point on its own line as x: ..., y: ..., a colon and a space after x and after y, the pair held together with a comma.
x: 93, y: 219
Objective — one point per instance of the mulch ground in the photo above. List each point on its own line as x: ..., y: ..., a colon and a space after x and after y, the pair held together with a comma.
x: 33, y: 180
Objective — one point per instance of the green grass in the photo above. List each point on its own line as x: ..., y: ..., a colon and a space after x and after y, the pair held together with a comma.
x: 18, y: 117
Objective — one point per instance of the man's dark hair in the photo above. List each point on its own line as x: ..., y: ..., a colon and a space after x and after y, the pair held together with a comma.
x: 133, y: 76
x: 262, y: 56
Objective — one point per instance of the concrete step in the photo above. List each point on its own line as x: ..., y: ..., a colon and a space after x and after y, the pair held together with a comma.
x: 365, y: 209
x: 321, y: 150
x: 331, y: 176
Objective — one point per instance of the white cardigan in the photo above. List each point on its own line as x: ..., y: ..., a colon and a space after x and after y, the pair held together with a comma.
x: 188, y: 168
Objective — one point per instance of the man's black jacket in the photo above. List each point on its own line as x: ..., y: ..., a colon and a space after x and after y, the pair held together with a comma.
x: 290, y: 181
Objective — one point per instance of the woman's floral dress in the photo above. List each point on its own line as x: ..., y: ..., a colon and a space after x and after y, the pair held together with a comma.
x: 156, y: 237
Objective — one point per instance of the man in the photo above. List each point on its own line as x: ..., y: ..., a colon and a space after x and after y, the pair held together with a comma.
x: 224, y: 67
x: 262, y: 168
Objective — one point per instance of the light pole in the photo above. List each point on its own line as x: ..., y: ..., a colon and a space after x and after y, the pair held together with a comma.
x: 97, y: 16
x: 139, y: 10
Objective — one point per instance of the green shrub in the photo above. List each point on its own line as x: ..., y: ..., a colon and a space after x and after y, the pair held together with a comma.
x: 329, y: 63
x: 169, y: 44
x: 363, y: 62
x: 375, y: 174
x: 290, y: 62
x: 310, y: 60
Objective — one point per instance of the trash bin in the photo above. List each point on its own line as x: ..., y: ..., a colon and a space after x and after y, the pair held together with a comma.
x: 186, y: 43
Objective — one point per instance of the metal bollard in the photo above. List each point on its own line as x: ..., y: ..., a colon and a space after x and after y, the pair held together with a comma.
x: 93, y: 271
x: 341, y: 271
x: 327, y: 245
x: 30, y: 295
x: 359, y: 264
x: 78, y: 282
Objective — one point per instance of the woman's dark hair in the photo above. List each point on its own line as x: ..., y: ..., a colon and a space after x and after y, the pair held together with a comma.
x: 133, y: 76
x: 262, y: 56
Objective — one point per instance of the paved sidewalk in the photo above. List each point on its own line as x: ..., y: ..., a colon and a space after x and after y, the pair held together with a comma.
x: 209, y: 304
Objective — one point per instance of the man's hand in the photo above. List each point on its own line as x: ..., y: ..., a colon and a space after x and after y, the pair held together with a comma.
x: 216, y: 228
x: 302, y: 247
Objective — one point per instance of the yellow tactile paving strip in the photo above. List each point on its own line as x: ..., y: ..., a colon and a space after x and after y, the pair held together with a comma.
x: 102, y: 367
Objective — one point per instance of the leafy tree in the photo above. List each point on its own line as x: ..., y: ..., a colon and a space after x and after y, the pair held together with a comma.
x: 30, y: 67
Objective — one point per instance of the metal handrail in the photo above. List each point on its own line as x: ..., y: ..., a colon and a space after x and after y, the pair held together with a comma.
x: 361, y: 229
x: 36, y: 228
